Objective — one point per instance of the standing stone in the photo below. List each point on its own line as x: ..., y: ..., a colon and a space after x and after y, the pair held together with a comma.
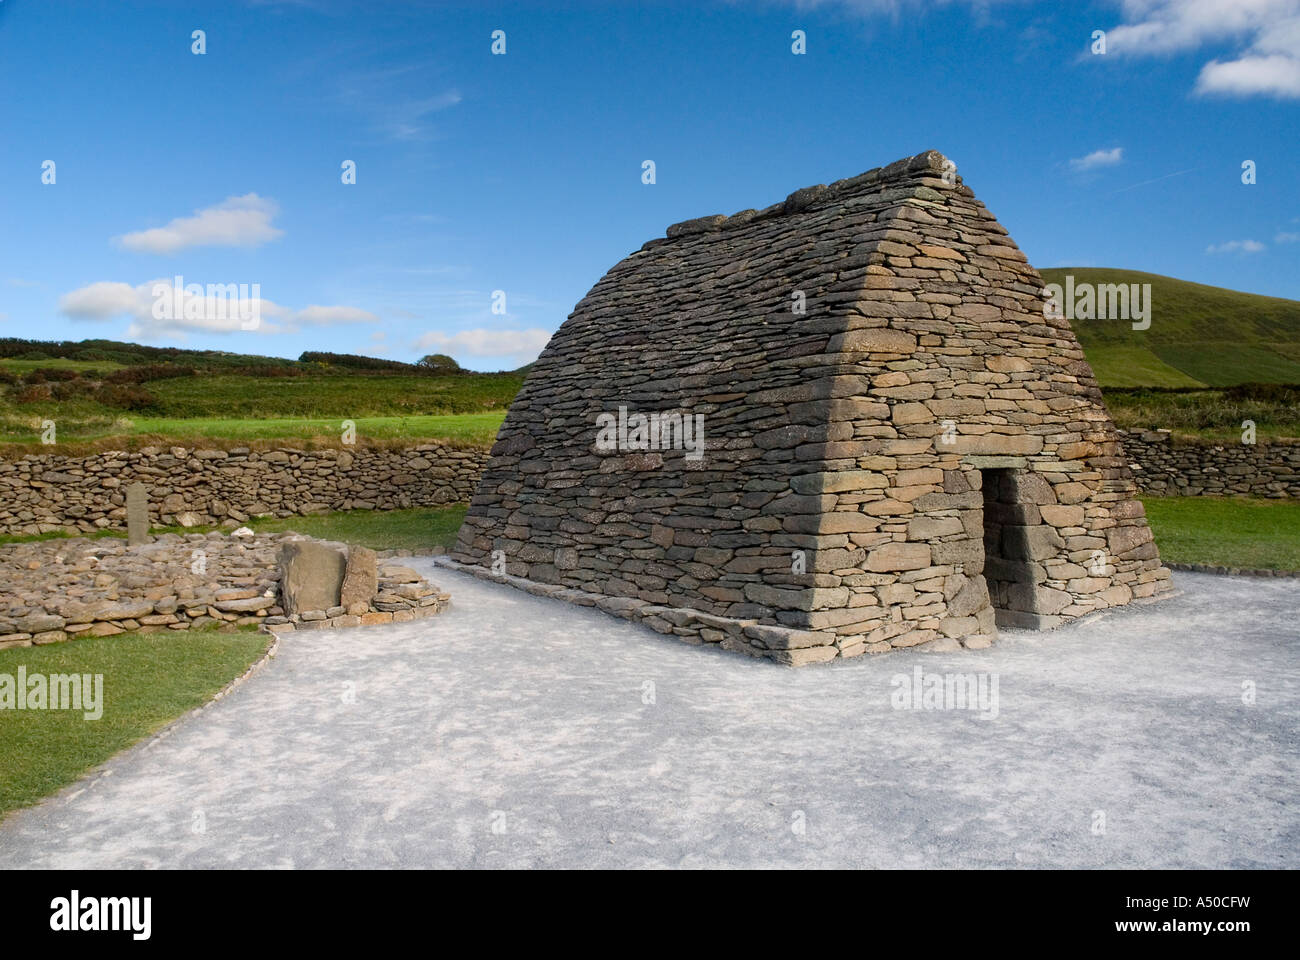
x: 137, y: 514
x: 311, y: 576
x: 360, y: 581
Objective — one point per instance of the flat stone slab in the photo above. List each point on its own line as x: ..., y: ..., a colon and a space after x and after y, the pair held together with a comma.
x: 594, y: 742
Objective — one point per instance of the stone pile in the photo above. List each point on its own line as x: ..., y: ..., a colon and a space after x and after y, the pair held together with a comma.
x: 55, y: 590
x: 192, y: 487
x: 863, y: 356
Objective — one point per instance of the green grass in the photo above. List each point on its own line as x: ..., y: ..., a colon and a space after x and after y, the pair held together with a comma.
x: 1133, y: 366
x: 59, y: 535
x: 413, y: 529
x: 333, y: 397
x: 233, y: 407
x: 1198, y: 333
x: 14, y: 365
x: 479, y: 429
x: 1207, y: 414
x: 149, y: 680
x: 1227, y: 364
x: 1231, y: 532
x: 470, y: 427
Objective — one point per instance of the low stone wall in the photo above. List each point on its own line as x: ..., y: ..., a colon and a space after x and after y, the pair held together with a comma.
x: 189, y: 487
x: 1165, y: 468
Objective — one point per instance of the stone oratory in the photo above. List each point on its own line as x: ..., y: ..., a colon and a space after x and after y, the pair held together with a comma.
x: 845, y: 423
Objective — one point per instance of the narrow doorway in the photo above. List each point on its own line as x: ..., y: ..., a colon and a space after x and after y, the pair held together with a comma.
x: 1006, y: 561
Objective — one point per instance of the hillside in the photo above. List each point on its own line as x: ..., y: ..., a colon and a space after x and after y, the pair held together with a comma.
x: 1200, y: 336
x: 106, y: 393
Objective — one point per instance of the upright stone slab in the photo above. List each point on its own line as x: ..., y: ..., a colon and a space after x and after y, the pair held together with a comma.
x: 311, y: 576
x: 360, y: 579
x: 137, y: 514
x: 888, y: 407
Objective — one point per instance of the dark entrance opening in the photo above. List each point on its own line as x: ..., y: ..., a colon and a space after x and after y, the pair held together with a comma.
x: 1009, y: 571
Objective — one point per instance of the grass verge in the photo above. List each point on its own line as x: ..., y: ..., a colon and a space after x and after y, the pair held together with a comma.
x: 18, y: 438
x: 1230, y: 532
x: 414, y: 529
x: 149, y: 679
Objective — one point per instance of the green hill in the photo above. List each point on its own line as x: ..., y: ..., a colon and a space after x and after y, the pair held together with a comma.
x: 97, y: 391
x: 1199, y: 335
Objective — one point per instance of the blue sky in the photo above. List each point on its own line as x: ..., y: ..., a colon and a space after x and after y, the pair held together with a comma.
x: 523, y: 172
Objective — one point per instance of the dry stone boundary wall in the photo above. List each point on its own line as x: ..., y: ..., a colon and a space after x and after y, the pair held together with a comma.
x: 190, y: 487
x: 1165, y: 468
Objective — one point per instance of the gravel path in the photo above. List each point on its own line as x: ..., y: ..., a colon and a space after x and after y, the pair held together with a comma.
x: 513, y: 731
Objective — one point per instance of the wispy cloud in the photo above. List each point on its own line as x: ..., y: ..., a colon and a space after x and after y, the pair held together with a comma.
x: 1284, y: 237
x: 235, y: 222
x: 1098, y: 158
x: 1266, y: 34
x: 1236, y: 246
x: 385, y: 97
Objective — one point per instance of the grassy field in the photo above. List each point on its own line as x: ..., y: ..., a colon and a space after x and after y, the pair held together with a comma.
x: 15, y: 365
x: 135, y: 432
x: 241, y: 408
x: 101, y: 394
x: 333, y: 397
x: 1236, y: 532
x: 1199, y: 335
x: 1210, y: 414
x: 1130, y: 366
x: 414, y: 529
x: 149, y: 679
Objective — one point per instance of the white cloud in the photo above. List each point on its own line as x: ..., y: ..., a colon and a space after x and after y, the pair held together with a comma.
x: 1098, y: 158
x: 100, y: 301
x: 1266, y: 34
x: 1275, y: 75
x: 522, y: 345
x: 235, y: 222
x: 1236, y: 246
x: 1285, y: 237
x: 210, y: 312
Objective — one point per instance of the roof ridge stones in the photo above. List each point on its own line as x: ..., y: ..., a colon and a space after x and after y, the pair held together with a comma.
x: 929, y: 164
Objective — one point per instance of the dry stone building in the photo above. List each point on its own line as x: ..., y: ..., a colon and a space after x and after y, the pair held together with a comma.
x: 900, y: 444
